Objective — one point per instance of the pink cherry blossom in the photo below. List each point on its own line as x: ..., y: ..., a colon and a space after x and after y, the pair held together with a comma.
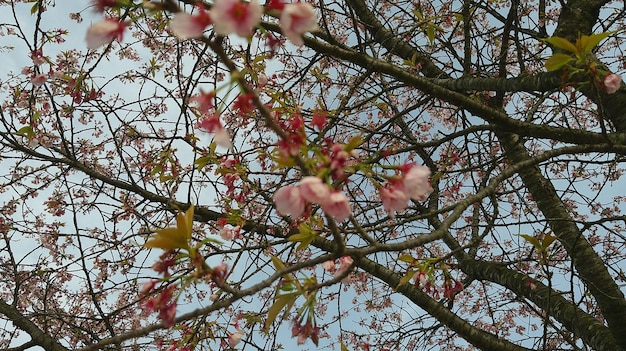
x: 416, y: 184
x: 329, y: 266
x: 222, y: 138
x: 205, y: 101
x: 212, y: 124
x: 612, y: 83
x: 38, y: 79
x: 219, y: 273
x: 394, y: 199
x: 186, y: 26
x: 236, y: 16
x: 289, y: 201
x: 235, y: 338
x: 337, y: 206
x: 344, y: 263
x: 297, y: 19
x: 313, y: 189
x: 103, y: 32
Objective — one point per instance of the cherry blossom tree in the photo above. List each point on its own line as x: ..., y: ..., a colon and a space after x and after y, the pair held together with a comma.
x: 347, y: 175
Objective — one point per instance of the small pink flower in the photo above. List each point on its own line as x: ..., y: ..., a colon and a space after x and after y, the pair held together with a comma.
x: 212, y: 124
x: 394, y: 199
x: 235, y: 338
x: 612, y: 83
x: 420, y: 278
x: 416, y: 184
x: 313, y: 189
x: 103, y: 32
x: 297, y: 19
x: 38, y: 57
x: 205, y: 101
x: 329, y: 266
x: 222, y: 138
x: 344, y: 263
x: 186, y: 26
x: 167, y: 314
x: 262, y: 80
x: 289, y: 201
x: 226, y: 233
x: 236, y: 16
x: 337, y: 206
x: 39, y: 79
x: 219, y: 273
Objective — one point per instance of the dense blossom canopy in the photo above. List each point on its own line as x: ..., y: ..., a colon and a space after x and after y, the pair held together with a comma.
x: 345, y: 175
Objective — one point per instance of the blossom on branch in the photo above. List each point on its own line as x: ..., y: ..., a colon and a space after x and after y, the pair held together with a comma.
x: 212, y: 124
x: 186, y: 26
x: 394, y: 199
x: 103, y: 32
x: 235, y: 16
x: 416, y: 184
x: 204, y: 101
x: 313, y: 189
x: 344, y: 264
x: 235, y: 338
x: 337, y: 206
x: 289, y: 201
x: 612, y: 83
x: 297, y: 19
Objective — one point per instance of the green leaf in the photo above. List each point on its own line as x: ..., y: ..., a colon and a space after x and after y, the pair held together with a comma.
x: 277, y: 263
x: 282, y: 301
x: 430, y: 32
x: 588, y: 42
x: 26, y: 131
x: 406, y: 258
x: 34, y: 9
x: 343, y: 347
x: 353, y: 143
x: 547, y: 240
x: 557, y: 61
x: 406, y: 278
x: 533, y: 240
x: 305, y: 237
x: 203, y: 161
x: 561, y: 43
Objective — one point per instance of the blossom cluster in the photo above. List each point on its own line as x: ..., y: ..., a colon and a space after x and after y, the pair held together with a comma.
x: 344, y: 264
x: 210, y: 120
x: 226, y: 16
x: 163, y: 302
x: 241, y: 18
x: 290, y: 200
x: 413, y: 184
x: 305, y: 331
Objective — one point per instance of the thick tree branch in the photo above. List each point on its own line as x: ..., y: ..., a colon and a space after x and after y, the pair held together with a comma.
x: 589, y: 265
x: 392, y: 41
x: 530, y: 83
x: 473, y: 335
x: 39, y: 337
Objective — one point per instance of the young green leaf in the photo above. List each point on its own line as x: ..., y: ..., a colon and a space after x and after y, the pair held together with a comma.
x: 588, y: 42
x: 282, y: 301
x: 561, y: 43
x: 557, y: 61
x: 406, y: 278
x: 533, y: 240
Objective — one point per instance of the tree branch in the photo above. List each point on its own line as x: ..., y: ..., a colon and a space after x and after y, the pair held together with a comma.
x: 39, y: 337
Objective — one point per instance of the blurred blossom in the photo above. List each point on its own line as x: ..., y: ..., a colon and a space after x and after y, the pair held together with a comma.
x: 297, y: 19
x: 103, y: 32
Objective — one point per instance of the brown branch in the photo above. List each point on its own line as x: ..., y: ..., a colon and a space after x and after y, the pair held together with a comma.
x: 39, y: 337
